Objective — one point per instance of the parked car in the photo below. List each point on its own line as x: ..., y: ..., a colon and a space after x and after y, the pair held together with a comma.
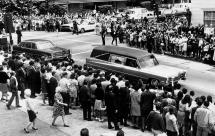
x: 67, y: 27
x: 87, y: 25
x: 134, y: 64
x: 83, y: 26
x: 42, y: 48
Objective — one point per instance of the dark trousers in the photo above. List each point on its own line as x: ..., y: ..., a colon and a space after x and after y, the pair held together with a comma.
x: 170, y: 133
x: 103, y: 39
x: 51, y: 99
x: 18, y: 39
x: 86, y: 106
x: 66, y: 99
x: 31, y: 86
x: 114, y: 39
x: 14, y: 94
x: 112, y: 117
x: 22, y: 89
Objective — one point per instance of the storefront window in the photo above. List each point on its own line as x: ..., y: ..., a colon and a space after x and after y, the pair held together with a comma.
x: 209, y: 18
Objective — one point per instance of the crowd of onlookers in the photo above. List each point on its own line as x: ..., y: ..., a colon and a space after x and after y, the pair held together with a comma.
x: 160, y: 109
x: 174, y: 36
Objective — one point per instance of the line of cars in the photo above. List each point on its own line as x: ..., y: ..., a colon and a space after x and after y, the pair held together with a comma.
x: 134, y: 64
x: 83, y: 26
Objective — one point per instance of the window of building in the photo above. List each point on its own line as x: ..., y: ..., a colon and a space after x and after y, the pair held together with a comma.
x: 209, y: 18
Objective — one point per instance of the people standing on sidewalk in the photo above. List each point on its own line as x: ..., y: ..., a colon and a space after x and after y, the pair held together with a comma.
x: 203, y: 117
x: 3, y: 84
x: 31, y: 77
x: 146, y: 104
x: 171, y: 123
x: 58, y: 109
x: 14, y: 90
x: 112, y: 104
x: 155, y: 121
x: 135, y: 107
x: 53, y: 83
x: 99, y: 101
x: 124, y: 101
x: 31, y: 114
x: 21, y: 77
x: 85, y: 99
x: 64, y: 85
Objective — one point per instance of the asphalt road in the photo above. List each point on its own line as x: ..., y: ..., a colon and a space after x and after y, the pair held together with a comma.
x: 200, y: 77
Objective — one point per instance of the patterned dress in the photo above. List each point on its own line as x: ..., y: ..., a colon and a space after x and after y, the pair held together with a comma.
x: 58, y: 108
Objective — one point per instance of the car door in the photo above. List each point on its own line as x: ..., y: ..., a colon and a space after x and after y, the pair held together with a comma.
x: 91, y: 25
x: 131, y: 68
x: 116, y: 63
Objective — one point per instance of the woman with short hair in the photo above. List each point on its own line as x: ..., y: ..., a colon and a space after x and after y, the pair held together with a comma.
x: 58, y: 107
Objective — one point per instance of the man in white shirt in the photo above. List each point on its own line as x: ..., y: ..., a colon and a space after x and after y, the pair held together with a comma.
x: 64, y: 85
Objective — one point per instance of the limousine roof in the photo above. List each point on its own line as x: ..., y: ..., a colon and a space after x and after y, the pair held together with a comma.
x: 124, y: 51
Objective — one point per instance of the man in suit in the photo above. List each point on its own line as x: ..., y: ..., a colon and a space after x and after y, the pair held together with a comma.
x: 14, y: 90
x: 85, y: 99
x: 112, y: 104
x: 21, y: 78
x: 124, y: 108
x: 53, y: 83
x: 32, y: 78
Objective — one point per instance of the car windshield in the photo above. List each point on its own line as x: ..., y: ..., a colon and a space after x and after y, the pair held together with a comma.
x: 148, y: 61
x: 44, y: 45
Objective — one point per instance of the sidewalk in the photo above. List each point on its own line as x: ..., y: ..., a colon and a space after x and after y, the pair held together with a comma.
x: 14, y: 121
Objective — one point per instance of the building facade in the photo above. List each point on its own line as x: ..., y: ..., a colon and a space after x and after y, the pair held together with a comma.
x: 203, y: 12
x: 78, y: 5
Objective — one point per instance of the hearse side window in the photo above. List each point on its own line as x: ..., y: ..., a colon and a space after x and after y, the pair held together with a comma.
x: 104, y: 56
x: 33, y: 46
x: 27, y: 45
x: 22, y: 44
x: 131, y: 63
x: 117, y: 59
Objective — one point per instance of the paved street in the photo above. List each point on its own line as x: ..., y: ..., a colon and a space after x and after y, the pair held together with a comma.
x: 200, y: 78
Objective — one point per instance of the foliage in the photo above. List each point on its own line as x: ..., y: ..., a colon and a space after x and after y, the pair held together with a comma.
x: 28, y: 7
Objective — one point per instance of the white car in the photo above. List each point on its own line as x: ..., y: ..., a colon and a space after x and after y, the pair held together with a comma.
x: 67, y: 27
x: 87, y: 26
